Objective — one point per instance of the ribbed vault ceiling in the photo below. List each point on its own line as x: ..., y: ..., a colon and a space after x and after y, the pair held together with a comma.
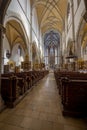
x: 51, y: 14
x: 51, y: 39
x: 15, y: 34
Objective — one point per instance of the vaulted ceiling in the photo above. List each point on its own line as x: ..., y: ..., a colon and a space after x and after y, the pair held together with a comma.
x: 51, y: 14
x: 51, y: 39
x: 15, y: 34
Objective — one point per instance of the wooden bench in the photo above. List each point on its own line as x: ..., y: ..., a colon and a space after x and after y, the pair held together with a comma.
x: 74, y: 97
x: 14, y: 86
x: 9, y: 90
x: 73, y: 92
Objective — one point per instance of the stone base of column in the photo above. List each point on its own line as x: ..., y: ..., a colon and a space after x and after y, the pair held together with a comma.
x: 2, y: 105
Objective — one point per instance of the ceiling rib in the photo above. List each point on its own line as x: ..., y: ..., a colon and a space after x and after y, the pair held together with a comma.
x: 51, y: 14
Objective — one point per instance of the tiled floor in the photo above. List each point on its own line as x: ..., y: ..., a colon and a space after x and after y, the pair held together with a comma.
x: 40, y: 110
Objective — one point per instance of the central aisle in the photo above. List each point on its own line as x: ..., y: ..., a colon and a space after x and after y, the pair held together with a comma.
x: 40, y: 110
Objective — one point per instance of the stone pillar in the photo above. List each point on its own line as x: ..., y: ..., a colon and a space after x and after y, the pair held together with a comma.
x: 55, y: 55
x: 31, y: 40
x: 60, y: 57
x: 73, y: 26
x: 2, y: 30
x: 58, y: 54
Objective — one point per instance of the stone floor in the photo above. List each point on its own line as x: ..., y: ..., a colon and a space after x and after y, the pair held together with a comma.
x: 40, y: 110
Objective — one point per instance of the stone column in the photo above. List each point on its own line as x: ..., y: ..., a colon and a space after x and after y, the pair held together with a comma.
x: 2, y: 30
x: 39, y: 42
x: 54, y: 50
x: 60, y: 56
x: 31, y: 39
x: 49, y: 56
x: 73, y: 26
x: 73, y: 34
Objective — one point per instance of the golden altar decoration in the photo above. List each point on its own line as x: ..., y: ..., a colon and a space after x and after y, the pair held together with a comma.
x: 11, y: 64
x: 26, y: 64
x: 80, y: 64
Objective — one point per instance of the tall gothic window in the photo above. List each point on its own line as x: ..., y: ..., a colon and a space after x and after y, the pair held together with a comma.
x: 19, y: 50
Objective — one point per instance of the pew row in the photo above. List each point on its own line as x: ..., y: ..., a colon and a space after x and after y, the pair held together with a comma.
x: 73, y: 92
x: 74, y: 97
x: 14, y: 86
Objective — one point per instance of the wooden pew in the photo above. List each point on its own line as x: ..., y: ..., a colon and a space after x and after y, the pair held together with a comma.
x: 74, y: 97
x: 9, y: 90
x: 70, y: 75
x: 73, y: 90
x: 14, y: 86
x: 24, y: 78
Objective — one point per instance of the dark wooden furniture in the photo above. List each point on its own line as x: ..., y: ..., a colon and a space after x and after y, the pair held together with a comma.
x: 14, y: 86
x: 73, y: 92
x: 74, y: 97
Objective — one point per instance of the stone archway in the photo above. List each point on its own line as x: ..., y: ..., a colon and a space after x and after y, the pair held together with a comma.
x: 12, y: 16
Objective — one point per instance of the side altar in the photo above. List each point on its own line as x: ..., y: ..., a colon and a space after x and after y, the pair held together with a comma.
x: 26, y: 64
